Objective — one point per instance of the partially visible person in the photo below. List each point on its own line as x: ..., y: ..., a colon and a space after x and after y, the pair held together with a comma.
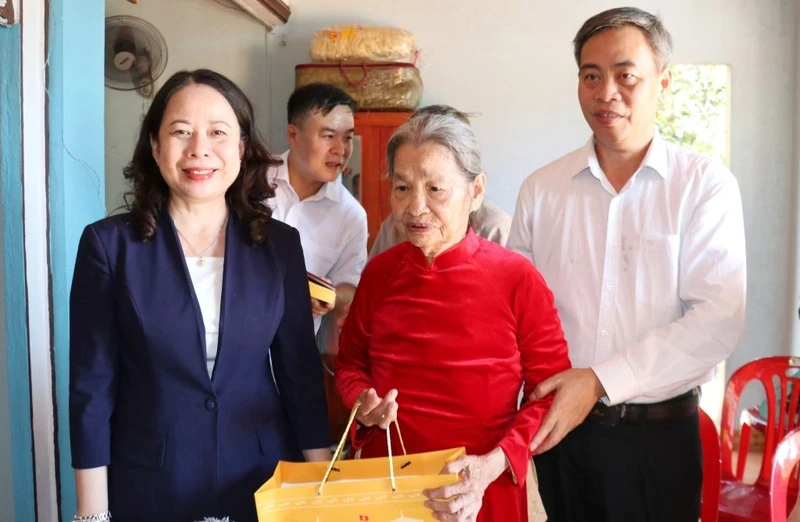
x: 446, y: 328
x: 643, y: 244
x: 489, y: 221
x: 331, y: 222
x: 176, y: 411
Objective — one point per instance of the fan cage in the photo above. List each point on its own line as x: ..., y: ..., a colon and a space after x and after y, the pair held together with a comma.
x: 146, y: 38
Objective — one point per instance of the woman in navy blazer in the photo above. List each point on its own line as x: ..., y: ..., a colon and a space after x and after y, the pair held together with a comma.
x: 181, y: 405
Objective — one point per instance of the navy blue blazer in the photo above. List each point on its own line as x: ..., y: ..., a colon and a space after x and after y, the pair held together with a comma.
x: 181, y: 446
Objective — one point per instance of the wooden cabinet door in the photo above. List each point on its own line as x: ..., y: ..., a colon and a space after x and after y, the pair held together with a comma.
x: 373, y: 131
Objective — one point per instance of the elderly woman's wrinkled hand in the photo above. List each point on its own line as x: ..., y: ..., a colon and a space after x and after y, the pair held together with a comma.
x: 462, y: 501
x: 375, y: 411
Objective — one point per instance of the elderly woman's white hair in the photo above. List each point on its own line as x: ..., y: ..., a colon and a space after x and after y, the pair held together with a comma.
x: 444, y: 125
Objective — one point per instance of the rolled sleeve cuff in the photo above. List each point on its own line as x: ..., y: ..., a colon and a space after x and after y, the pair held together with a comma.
x: 352, y: 278
x: 518, y: 458
x: 618, y: 379
x: 353, y: 391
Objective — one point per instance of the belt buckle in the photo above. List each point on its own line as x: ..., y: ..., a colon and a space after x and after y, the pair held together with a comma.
x: 619, y: 415
x: 608, y: 415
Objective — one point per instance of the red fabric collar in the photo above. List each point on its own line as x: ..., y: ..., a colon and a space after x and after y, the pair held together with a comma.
x: 454, y: 256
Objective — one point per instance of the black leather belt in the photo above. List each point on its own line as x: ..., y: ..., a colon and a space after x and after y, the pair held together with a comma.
x: 631, y: 414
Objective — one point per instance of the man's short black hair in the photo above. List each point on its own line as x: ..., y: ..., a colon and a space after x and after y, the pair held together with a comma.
x: 316, y: 97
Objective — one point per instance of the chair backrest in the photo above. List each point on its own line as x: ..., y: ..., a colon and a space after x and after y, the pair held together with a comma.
x: 712, y: 481
x: 787, y: 456
x: 782, y: 407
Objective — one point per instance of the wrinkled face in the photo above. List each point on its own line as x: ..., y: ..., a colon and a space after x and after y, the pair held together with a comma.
x: 432, y: 198
x: 620, y: 86
x: 322, y: 145
x: 199, y: 145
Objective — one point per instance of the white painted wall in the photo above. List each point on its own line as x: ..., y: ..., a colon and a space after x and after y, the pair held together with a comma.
x: 512, y: 63
x: 209, y: 34
x: 795, y: 330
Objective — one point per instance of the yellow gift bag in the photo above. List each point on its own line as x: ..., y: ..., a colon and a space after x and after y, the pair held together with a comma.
x: 387, y: 489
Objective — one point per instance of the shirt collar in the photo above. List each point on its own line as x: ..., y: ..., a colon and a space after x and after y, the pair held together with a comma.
x: 328, y: 190
x: 655, y: 159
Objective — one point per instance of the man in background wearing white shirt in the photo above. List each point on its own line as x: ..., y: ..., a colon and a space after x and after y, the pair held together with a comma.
x: 642, y: 243
x: 331, y: 222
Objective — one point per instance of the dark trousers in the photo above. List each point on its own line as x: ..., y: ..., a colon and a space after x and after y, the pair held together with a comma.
x: 651, y: 472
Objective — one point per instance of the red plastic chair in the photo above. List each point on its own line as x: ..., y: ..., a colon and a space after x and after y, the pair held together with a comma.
x: 740, y: 502
x: 711, y: 468
x: 784, y: 474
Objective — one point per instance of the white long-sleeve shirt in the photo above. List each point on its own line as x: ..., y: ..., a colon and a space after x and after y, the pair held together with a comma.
x: 649, y: 282
x: 332, y: 226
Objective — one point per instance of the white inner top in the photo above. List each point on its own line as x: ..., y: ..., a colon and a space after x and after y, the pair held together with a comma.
x: 207, y: 281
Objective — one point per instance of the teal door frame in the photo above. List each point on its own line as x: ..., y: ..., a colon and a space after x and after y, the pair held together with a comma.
x: 19, y: 407
x: 75, y: 197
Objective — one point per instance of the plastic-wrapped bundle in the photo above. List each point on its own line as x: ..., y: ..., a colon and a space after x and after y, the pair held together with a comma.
x: 386, y: 86
x: 363, y: 43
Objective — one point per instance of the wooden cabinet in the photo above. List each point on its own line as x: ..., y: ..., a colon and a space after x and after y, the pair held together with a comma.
x: 366, y: 176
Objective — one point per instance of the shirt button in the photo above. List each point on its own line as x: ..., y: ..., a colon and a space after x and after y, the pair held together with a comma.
x: 608, y: 287
x: 212, y: 405
x: 604, y: 333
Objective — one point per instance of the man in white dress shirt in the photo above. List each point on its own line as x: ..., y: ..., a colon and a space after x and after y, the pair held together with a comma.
x: 309, y: 197
x: 642, y: 243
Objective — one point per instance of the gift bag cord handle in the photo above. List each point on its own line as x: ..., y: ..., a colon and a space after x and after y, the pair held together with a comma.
x: 342, y: 441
